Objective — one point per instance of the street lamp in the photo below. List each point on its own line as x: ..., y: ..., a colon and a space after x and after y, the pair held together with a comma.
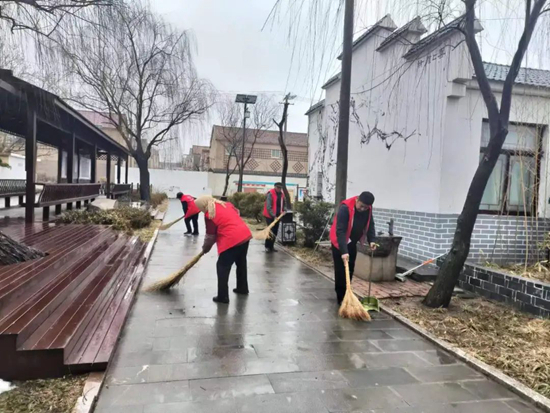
x: 246, y: 99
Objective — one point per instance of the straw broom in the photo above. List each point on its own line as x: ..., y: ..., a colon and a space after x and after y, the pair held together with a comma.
x: 166, y: 226
x: 266, y: 233
x: 351, y: 306
x: 175, y: 278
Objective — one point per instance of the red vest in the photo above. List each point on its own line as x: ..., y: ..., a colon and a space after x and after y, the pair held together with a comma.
x: 192, y: 209
x: 274, y: 203
x: 350, y: 203
x: 232, y: 230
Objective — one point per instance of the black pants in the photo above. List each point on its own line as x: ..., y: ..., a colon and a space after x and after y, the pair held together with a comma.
x: 195, y: 220
x: 340, y: 271
x: 237, y: 256
x: 270, y: 242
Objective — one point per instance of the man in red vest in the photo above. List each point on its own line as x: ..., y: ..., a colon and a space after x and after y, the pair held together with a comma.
x: 229, y: 232
x: 353, y: 222
x: 191, y: 213
x: 274, y: 206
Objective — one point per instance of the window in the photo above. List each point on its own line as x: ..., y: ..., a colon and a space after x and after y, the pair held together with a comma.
x: 513, y: 185
x: 64, y: 161
x: 276, y: 153
x: 85, y: 168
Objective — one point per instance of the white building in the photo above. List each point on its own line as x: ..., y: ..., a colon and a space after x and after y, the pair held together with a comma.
x: 417, y: 131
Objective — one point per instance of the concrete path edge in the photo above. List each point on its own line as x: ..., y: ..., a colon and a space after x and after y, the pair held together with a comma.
x: 511, y: 384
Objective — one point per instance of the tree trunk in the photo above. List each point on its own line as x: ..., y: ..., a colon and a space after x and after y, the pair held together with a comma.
x: 284, y: 152
x: 441, y: 292
x: 144, y: 180
x: 12, y: 252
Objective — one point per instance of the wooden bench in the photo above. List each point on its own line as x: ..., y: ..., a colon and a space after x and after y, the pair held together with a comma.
x: 118, y: 190
x: 59, y: 194
x: 12, y: 187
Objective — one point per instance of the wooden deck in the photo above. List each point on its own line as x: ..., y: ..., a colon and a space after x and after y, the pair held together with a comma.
x: 63, y: 313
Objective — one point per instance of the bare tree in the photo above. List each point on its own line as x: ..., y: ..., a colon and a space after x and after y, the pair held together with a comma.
x: 231, y: 116
x: 499, y: 114
x: 282, y: 125
x: 130, y: 65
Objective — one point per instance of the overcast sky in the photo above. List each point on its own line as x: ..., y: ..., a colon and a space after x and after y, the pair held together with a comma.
x: 235, y: 54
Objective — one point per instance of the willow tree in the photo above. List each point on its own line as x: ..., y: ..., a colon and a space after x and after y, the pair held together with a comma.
x: 130, y: 65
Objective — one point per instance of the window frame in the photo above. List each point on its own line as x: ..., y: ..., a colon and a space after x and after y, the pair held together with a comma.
x: 276, y: 157
x: 537, y: 155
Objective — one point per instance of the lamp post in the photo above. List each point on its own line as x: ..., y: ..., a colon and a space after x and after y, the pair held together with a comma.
x: 246, y: 99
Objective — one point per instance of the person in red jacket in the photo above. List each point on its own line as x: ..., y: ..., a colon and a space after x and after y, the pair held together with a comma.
x: 274, y: 206
x: 191, y: 213
x: 229, y: 232
x: 353, y: 222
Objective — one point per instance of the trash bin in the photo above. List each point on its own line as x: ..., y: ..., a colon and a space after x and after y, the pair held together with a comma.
x: 287, y: 229
x: 384, y: 259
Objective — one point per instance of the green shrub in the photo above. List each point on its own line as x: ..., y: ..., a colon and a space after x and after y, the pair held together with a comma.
x: 314, y: 216
x: 121, y: 219
x: 158, y: 198
x: 250, y: 204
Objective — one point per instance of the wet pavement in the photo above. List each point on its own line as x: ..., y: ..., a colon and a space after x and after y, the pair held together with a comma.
x: 281, y: 349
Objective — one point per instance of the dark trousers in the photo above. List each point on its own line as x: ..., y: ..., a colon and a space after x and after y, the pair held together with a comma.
x: 237, y: 256
x: 340, y: 271
x: 270, y: 242
x: 195, y: 220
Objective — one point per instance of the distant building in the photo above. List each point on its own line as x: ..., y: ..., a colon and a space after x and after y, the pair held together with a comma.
x: 265, y: 164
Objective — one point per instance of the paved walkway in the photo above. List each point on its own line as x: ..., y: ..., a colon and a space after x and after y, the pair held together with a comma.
x: 283, y: 349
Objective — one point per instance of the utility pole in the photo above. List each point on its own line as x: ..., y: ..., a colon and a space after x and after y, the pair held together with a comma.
x: 246, y: 99
x: 345, y: 91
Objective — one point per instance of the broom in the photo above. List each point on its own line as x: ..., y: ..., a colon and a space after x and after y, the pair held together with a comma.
x: 351, y: 306
x: 266, y: 233
x: 175, y: 278
x: 166, y: 226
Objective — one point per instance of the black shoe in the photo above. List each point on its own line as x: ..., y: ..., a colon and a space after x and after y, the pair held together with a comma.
x: 268, y: 250
x: 240, y: 292
x: 187, y: 233
x: 220, y: 300
x: 195, y: 234
x: 274, y: 250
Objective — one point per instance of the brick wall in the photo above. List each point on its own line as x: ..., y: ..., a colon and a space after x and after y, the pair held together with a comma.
x: 496, y: 238
x: 522, y: 293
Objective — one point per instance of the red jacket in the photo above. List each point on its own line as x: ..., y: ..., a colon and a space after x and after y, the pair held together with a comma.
x: 274, y: 194
x: 350, y: 203
x: 192, y: 209
x: 231, y: 230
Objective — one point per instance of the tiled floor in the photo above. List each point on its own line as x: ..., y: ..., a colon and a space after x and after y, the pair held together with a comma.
x: 281, y: 349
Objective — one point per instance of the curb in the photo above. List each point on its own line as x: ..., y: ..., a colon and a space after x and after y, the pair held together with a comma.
x: 86, y: 402
x: 511, y: 384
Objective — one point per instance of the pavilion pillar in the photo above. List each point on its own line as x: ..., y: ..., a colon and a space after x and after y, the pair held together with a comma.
x: 108, y: 183
x: 126, y: 171
x: 118, y: 169
x: 70, y: 159
x: 93, y: 158
x: 77, y: 165
x: 30, y: 165
x: 59, y: 163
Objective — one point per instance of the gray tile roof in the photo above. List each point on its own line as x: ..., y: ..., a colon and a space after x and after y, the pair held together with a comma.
x: 333, y: 79
x: 414, y: 26
x: 526, y: 76
x: 385, y: 22
x: 313, y: 108
x: 270, y: 137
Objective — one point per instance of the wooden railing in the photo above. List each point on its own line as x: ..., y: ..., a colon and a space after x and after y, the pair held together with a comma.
x: 59, y: 194
x: 118, y: 190
x: 12, y: 187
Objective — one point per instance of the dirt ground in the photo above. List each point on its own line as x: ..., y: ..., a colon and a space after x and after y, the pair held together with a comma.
x: 43, y: 396
x: 514, y: 342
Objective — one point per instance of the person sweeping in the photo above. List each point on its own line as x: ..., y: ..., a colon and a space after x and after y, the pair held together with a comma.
x: 226, y: 229
x: 274, y: 206
x: 353, y: 222
x: 191, y: 213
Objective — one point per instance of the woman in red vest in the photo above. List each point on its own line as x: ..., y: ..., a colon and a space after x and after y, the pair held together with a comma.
x: 225, y: 228
x: 191, y: 213
x: 274, y: 206
x: 353, y: 222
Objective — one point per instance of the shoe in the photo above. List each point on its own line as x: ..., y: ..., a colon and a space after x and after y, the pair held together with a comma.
x: 274, y: 250
x: 187, y: 233
x: 239, y: 292
x: 268, y: 250
x: 195, y: 234
x: 220, y: 300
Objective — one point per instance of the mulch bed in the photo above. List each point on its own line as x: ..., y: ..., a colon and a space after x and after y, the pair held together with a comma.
x: 516, y: 343
x: 43, y: 396
x: 539, y: 271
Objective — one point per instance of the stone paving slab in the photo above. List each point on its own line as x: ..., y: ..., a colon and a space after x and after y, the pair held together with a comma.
x: 281, y: 349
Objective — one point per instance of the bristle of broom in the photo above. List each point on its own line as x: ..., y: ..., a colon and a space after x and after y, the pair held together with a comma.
x: 174, y: 278
x: 166, y: 226
x: 266, y: 232
x: 352, y: 308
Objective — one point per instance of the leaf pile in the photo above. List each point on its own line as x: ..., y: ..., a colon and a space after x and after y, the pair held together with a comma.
x: 121, y: 219
x: 41, y: 396
x: 538, y: 271
x: 516, y: 343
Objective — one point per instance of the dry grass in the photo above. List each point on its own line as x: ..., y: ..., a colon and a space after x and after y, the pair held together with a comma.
x: 322, y: 258
x: 254, y: 225
x: 43, y: 396
x: 164, y: 206
x: 146, y: 234
x: 513, y: 342
x: 539, y: 271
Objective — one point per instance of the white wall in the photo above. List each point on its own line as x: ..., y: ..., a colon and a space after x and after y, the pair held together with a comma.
x: 17, y: 167
x: 261, y: 182
x: 172, y: 182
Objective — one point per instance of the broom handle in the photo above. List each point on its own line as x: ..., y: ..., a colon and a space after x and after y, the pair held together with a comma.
x: 348, y: 281
x: 370, y: 271
x: 173, y: 222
